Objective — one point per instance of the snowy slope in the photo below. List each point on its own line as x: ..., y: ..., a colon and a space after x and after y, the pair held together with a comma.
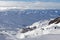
x: 45, y: 37
x: 40, y: 31
x: 12, y: 19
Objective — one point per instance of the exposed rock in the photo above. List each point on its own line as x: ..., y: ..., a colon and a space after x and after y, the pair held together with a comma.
x: 56, y: 21
x: 28, y: 29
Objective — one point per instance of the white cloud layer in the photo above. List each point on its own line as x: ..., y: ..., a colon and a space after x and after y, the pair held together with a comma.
x: 29, y: 5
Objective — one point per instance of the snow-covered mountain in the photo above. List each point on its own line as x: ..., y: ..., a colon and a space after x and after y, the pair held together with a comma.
x: 40, y: 30
x: 13, y: 20
x: 17, y: 18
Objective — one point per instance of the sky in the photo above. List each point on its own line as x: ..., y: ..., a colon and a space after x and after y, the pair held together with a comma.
x: 34, y: 0
x: 30, y: 4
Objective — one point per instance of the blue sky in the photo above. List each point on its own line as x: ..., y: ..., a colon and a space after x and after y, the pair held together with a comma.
x: 34, y: 0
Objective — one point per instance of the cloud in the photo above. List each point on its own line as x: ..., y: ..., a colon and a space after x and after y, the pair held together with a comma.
x: 29, y: 5
x: 34, y: 0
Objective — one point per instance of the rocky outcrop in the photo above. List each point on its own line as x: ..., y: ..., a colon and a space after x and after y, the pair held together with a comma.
x: 28, y: 29
x: 56, y: 21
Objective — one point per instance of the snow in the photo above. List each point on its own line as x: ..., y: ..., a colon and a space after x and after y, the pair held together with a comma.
x: 45, y: 37
x: 56, y: 11
x: 16, y: 19
x: 49, y: 29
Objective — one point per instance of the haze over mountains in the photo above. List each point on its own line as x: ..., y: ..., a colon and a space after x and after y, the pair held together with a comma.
x: 17, y: 18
